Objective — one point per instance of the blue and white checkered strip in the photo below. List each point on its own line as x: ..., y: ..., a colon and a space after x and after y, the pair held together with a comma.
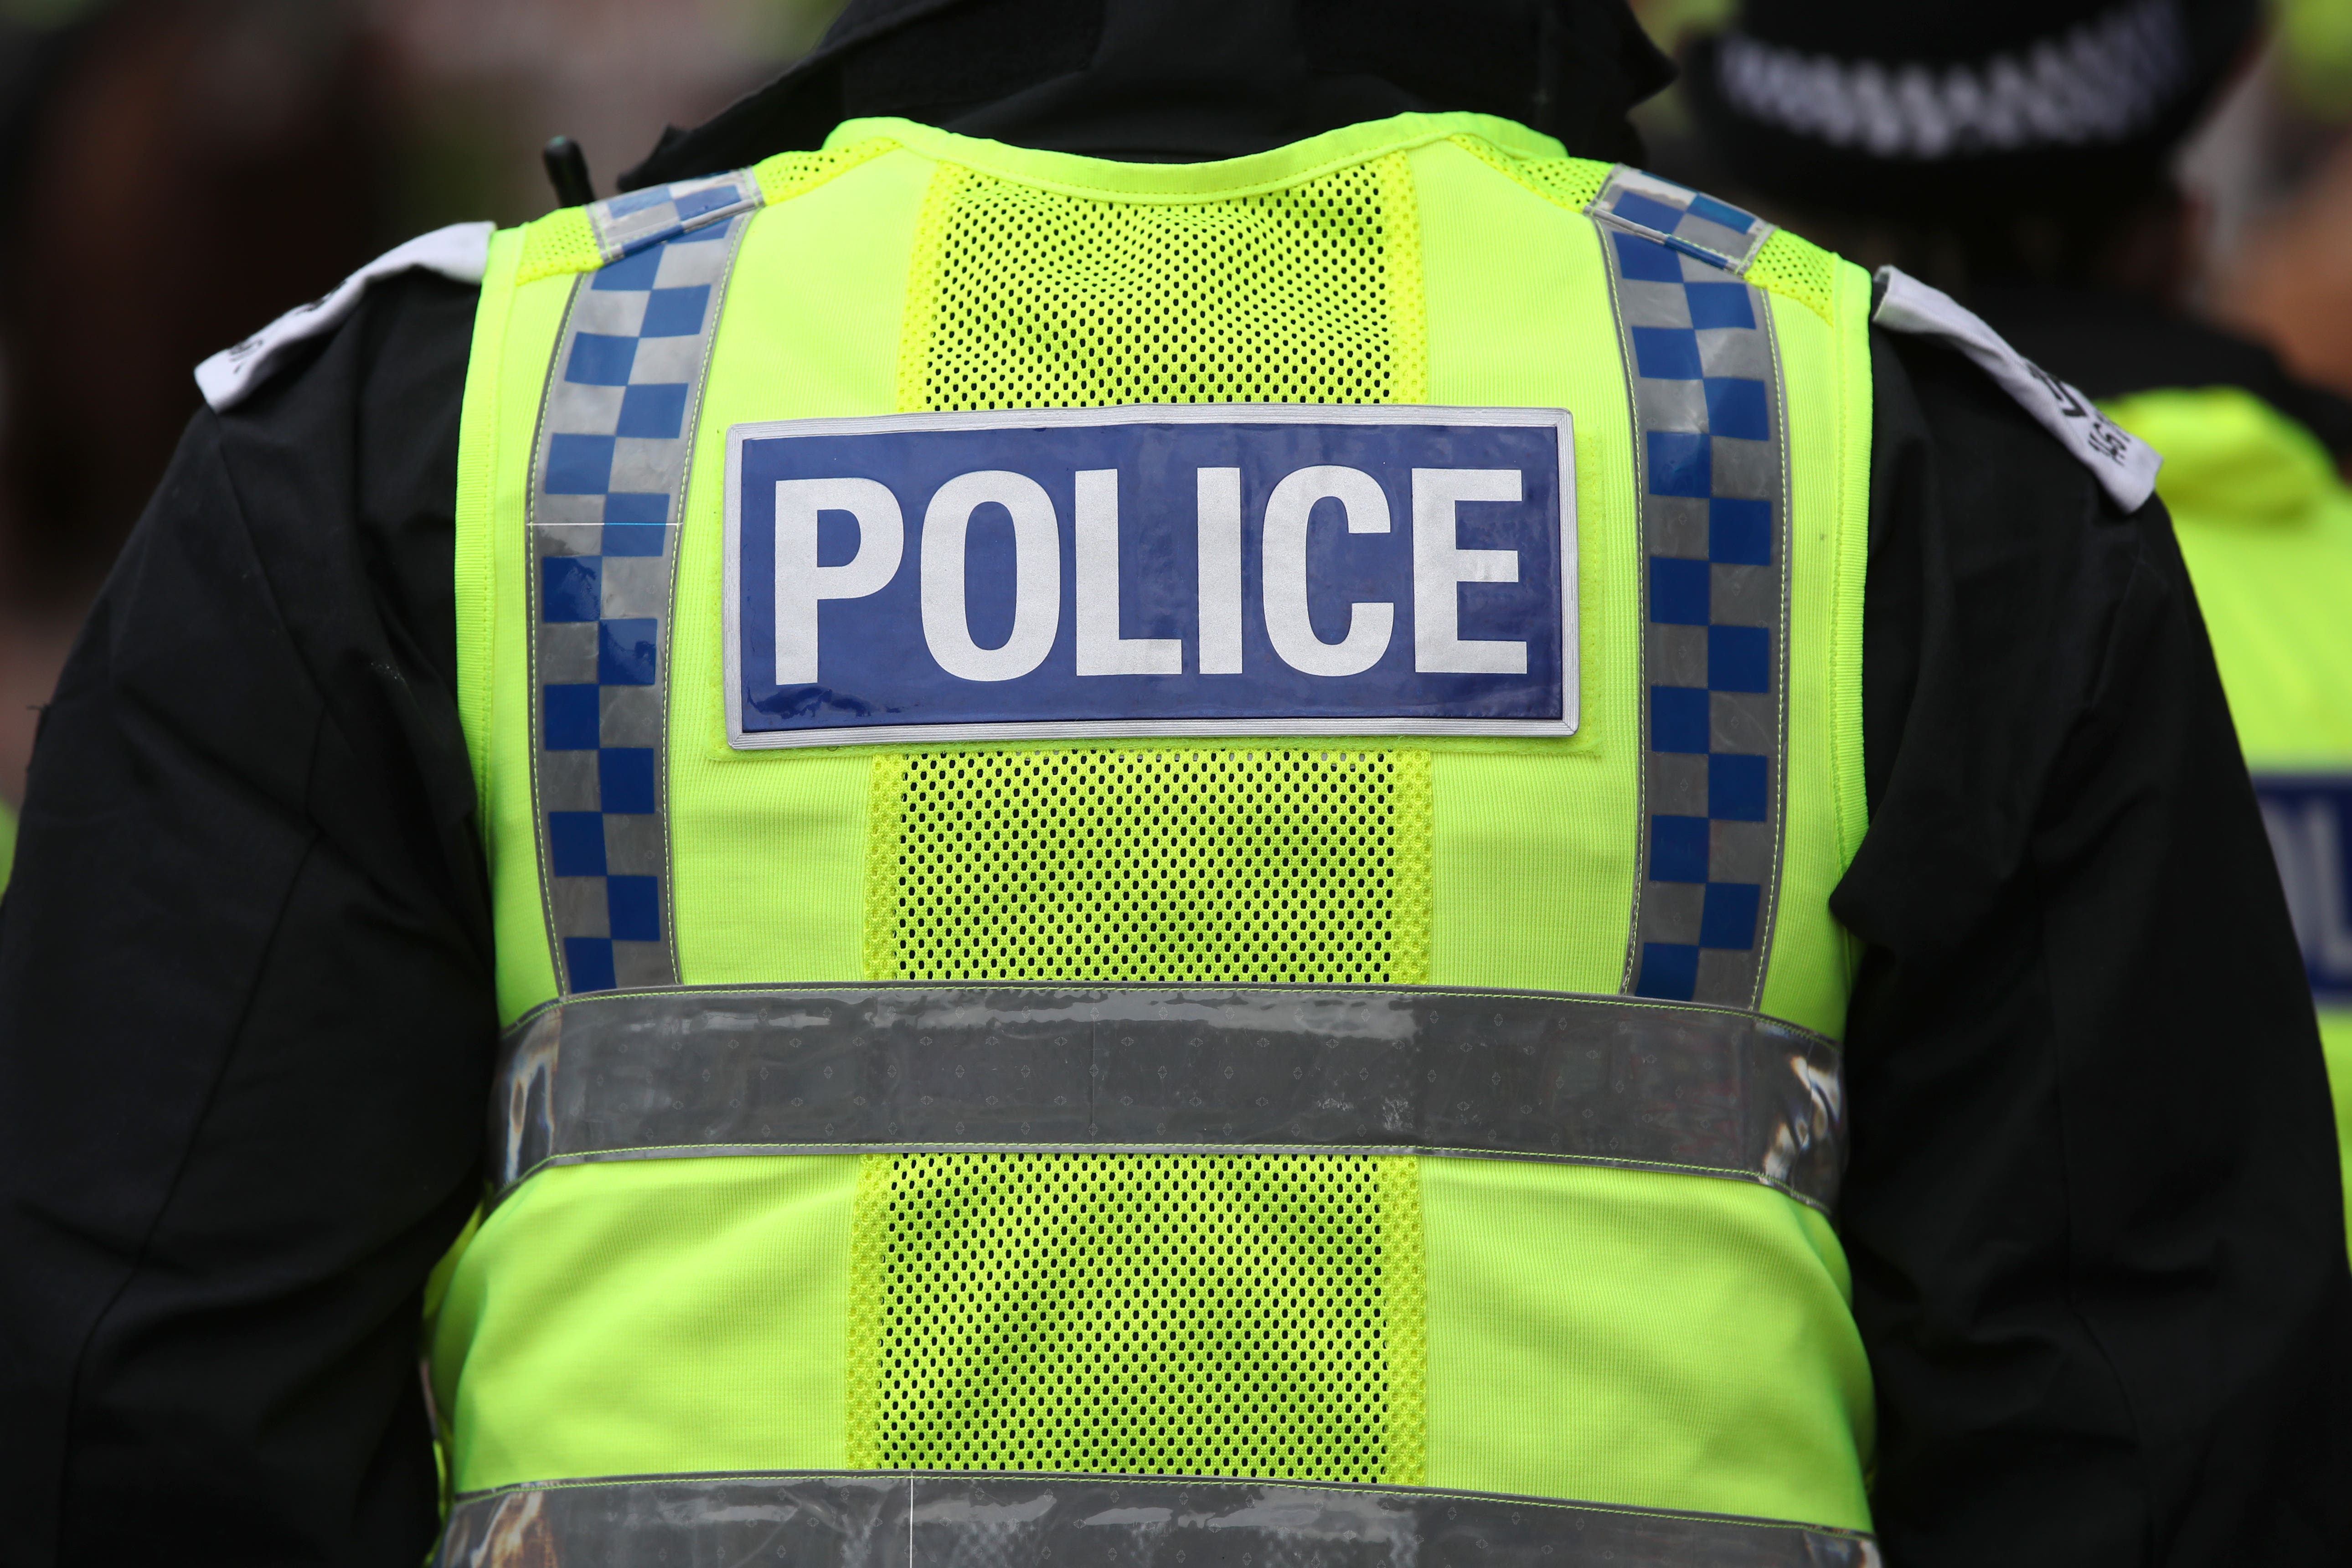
x: 1677, y: 217
x: 630, y: 223
x: 616, y: 432
x: 1706, y: 378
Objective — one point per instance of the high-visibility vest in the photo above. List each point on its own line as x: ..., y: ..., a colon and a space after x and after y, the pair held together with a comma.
x: 2265, y: 526
x: 1217, y: 1059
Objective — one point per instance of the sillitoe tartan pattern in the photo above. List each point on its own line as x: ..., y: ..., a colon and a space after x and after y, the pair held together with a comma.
x: 1682, y: 219
x: 615, y: 435
x: 1709, y: 416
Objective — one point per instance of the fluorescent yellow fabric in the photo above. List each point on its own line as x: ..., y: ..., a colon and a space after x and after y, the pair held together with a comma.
x: 1623, y: 1337
x: 2265, y: 526
x: 515, y: 329
x: 2266, y: 529
x: 1533, y: 867
x: 1581, y: 1322
x: 1829, y: 465
x: 649, y: 1316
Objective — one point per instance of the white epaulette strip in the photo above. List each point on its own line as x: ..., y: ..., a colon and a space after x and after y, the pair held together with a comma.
x: 2124, y: 465
x: 459, y: 253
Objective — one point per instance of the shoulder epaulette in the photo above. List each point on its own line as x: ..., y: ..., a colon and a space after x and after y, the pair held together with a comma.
x: 458, y: 252
x: 2124, y: 465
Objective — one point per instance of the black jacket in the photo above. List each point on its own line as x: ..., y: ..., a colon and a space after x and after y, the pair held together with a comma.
x: 247, y: 1016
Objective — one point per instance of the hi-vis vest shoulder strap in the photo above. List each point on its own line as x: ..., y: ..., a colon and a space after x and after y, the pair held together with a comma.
x: 1161, y: 837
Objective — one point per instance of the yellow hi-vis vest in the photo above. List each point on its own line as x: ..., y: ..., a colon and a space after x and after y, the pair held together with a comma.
x: 2265, y: 527
x: 1316, y: 1044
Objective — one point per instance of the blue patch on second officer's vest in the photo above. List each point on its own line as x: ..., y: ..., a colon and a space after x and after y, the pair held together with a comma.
x: 1217, y: 570
x: 2309, y: 817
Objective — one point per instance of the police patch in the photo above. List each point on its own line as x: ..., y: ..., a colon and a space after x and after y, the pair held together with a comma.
x: 2309, y: 819
x: 1203, y: 570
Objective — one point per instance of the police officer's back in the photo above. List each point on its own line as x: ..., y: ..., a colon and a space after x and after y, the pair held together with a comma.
x: 1526, y: 943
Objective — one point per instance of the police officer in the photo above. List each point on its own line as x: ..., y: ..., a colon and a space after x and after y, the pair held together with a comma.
x: 2071, y: 237
x: 1187, y: 793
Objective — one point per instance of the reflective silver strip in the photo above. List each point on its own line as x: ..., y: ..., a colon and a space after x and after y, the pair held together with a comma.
x: 608, y: 488
x: 1608, y: 1081
x: 1703, y: 371
x: 628, y: 223
x: 895, y: 1520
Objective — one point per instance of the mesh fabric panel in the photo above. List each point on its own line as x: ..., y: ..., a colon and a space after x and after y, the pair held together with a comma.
x: 1027, y: 298
x: 1168, y: 1314
x: 1570, y: 181
x: 1256, y: 1316
x: 560, y: 242
x: 1179, y: 864
x: 1797, y: 268
x: 788, y: 174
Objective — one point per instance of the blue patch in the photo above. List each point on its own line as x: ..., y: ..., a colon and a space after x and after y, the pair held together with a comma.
x: 1727, y: 918
x: 624, y: 651
x: 694, y: 204
x: 1740, y: 533
x: 1667, y: 354
x: 1678, y: 849
x: 600, y: 359
x: 571, y: 588
x: 654, y: 410
x: 589, y: 961
x: 1669, y: 971
x: 633, y: 272
x: 1718, y: 305
x: 1680, y: 592
x: 1739, y: 658
x: 1737, y: 787
x: 579, y: 465
x: 575, y: 718
x: 1645, y: 260
x: 624, y: 780
x: 1678, y: 719
x: 2309, y: 819
x: 575, y: 842
x: 1211, y: 571
x: 675, y: 312
x: 1636, y: 208
x: 1734, y: 407
x: 1714, y: 211
x: 632, y: 907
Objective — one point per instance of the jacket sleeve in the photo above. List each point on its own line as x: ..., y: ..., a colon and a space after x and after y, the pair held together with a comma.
x: 245, y: 1007
x: 2092, y: 1211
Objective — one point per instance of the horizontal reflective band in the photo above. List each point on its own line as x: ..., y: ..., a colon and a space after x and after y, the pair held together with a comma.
x: 881, y: 1520
x: 1605, y: 1080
